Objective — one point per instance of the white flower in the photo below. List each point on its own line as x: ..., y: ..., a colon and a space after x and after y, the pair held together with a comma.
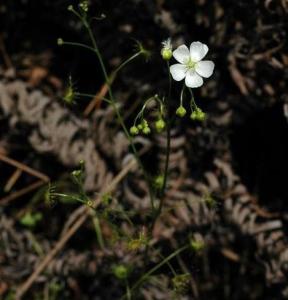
x: 191, y: 66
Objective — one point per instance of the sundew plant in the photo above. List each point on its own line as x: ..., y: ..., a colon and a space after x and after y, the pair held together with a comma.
x: 185, y: 66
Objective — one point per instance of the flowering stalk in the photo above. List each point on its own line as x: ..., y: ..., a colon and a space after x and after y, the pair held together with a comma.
x: 168, y: 146
x: 83, y: 19
x: 168, y: 132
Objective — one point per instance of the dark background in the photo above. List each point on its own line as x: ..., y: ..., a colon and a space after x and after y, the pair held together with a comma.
x: 249, y: 36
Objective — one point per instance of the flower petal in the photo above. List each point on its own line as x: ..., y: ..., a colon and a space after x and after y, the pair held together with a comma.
x: 197, y: 51
x: 193, y: 80
x: 182, y: 54
x: 205, y: 68
x: 178, y: 71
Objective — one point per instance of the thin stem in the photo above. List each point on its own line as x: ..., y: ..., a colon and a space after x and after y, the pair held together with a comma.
x: 98, y: 231
x: 92, y: 96
x: 128, y: 290
x: 80, y: 45
x: 169, y: 265
x: 168, y: 149
x: 141, y: 113
x: 192, y: 103
x: 118, y: 114
x: 69, y: 197
x: 77, y: 14
x: 127, y: 61
x: 182, y: 94
x: 168, y: 132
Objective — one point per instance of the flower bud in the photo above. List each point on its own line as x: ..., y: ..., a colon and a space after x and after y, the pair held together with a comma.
x: 84, y: 6
x: 70, y: 7
x: 166, y: 54
x: 78, y: 176
x: 197, y: 245
x: 77, y: 173
x: 166, y: 51
x: 69, y: 96
x: 134, y: 130
x: 160, y: 125
x: 181, y: 111
x: 159, y: 182
x: 121, y: 272
x: 144, y: 123
x: 60, y: 42
x: 146, y: 130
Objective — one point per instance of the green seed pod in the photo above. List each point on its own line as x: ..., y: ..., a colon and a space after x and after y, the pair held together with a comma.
x: 201, y: 115
x: 146, y: 130
x: 160, y: 125
x: 134, y: 130
x: 198, y: 115
x: 144, y: 123
x: 181, y: 111
x: 194, y: 115
x: 121, y: 272
x: 197, y: 245
x: 159, y: 182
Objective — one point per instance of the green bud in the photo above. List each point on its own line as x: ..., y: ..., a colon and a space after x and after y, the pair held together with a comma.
x: 140, y: 126
x: 121, y: 272
x: 166, y: 53
x: 146, y: 130
x: 198, y: 115
x: 69, y: 96
x: 144, y: 123
x: 193, y: 115
x: 197, y: 245
x: 160, y: 125
x: 76, y: 173
x: 201, y: 116
x: 31, y: 219
x: 60, y: 42
x: 84, y: 6
x: 70, y: 7
x: 159, y: 181
x: 181, y: 111
x: 134, y: 130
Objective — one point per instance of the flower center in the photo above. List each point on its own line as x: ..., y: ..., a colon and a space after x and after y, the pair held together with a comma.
x: 190, y: 64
